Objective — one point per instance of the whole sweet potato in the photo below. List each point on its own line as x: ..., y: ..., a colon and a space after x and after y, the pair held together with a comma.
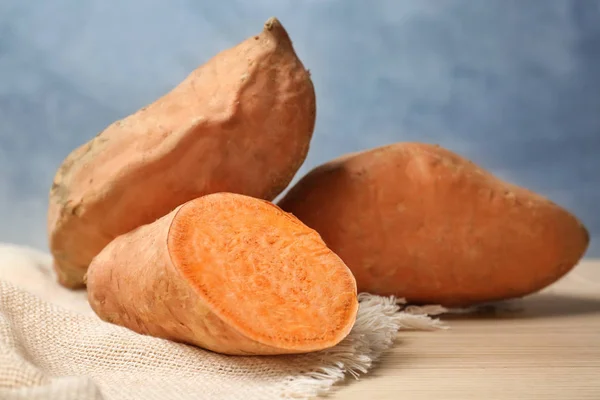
x: 419, y: 221
x: 240, y: 123
x: 229, y: 273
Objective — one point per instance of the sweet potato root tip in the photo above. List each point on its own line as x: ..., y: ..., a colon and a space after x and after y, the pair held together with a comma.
x: 274, y: 29
x: 274, y: 25
x: 229, y: 273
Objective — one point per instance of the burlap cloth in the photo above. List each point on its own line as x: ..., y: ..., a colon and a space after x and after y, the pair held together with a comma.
x: 52, y: 346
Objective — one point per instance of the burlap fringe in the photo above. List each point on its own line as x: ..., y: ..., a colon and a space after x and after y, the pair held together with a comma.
x: 378, y: 322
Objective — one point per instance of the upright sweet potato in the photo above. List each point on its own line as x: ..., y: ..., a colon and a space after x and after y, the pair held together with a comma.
x: 229, y: 273
x: 418, y: 221
x: 240, y: 123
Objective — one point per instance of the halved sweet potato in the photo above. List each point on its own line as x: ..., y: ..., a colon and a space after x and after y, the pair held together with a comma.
x: 228, y: 273
x: 419, y: 221
x: 240, y: 123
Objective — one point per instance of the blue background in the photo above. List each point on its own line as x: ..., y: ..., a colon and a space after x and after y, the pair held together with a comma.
x: 512, y: 84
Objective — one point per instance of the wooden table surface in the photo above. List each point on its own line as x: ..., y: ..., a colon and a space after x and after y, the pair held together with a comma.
x: 543, y: 347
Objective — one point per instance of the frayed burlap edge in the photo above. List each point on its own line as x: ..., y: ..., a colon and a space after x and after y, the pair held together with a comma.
x: 378, y: 321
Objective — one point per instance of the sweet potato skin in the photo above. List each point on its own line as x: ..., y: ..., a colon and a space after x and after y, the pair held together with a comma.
x: 240, y: 123
x: 136, y: 282
x: 164, y: 306
x: 418, y: 221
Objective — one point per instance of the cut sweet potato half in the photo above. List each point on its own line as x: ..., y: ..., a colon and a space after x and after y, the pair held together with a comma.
x: 229, y: 273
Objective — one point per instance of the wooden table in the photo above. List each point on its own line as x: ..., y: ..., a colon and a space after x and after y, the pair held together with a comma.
x: 543, y: 347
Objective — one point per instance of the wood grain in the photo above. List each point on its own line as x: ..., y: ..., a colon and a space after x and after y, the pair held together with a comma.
x: 544, y: 347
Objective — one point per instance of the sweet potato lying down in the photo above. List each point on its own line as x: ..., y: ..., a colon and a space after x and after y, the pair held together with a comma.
x: 419, y: 221
x: 228, y: 273
x: 240, y: 123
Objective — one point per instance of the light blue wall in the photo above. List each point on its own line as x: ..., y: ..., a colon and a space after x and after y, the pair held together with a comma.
x: 512, y: 84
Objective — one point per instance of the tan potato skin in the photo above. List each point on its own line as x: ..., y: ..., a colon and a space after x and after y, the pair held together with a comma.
x: 240, y: 123
x: 418, y: 221
x: 134, y: 282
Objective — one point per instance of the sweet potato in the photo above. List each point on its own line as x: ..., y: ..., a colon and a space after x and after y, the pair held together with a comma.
x: 228, y: 273
x: 240, y: 123
x: 419, y: 221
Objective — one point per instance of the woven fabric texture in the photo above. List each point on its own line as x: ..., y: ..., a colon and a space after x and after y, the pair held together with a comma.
x: 53, y: 347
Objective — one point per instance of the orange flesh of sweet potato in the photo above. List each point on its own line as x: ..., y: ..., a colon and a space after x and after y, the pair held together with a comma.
x: 240, y: 123
x: 228, y: 273
x: 418, y: 221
